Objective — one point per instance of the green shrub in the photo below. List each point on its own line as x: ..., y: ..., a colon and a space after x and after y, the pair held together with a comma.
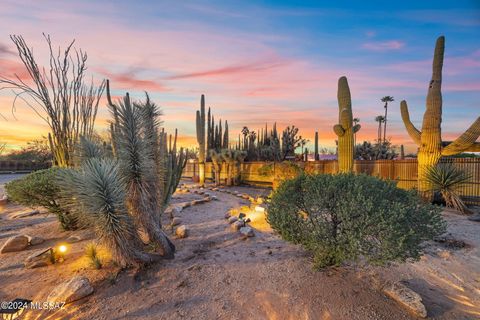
x: 92, y: 255
x: 347, y: 217
x: 40, y: 188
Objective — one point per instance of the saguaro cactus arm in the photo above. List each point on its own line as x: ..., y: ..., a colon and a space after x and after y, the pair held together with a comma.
x: 465, y: 141
x: 338, y: 129
x: 413, y: 132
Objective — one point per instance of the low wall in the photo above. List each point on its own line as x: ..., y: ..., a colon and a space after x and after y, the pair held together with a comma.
x: 403, y: 171
x: 22, y: 166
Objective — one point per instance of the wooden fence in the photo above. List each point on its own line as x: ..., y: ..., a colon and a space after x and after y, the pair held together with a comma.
x: 403, y: 171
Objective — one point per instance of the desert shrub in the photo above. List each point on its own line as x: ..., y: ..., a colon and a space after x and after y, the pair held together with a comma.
x: 40, y: 188
x: 92, y: 255
x: 347, y: 217
x: 447, y: 179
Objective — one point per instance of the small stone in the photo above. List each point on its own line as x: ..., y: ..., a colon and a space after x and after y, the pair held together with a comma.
x: 181, y: 231
x: 33, y: 240
x: 39, y: 259
x: 247, y: 232
x: 237, y: 225
x: 407, y: 297
x: 474, y: 217
x: 71, y: 290
x: 73, y: 239
x: 245, y: 196
x: 232, y: 219
x: 214, y: 198
x: 176, y: 221
x: 227, y: 215
x: 15, y: 243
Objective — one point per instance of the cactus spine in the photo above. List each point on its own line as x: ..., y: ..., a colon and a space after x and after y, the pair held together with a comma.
x: 345, y: 128
x: 429, y: 140
x: 200, y: 119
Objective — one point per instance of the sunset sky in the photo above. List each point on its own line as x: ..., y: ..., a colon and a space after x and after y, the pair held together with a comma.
x: 258, y: 61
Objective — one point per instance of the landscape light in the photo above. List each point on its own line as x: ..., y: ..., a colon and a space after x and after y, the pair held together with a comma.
x: 62, y: 248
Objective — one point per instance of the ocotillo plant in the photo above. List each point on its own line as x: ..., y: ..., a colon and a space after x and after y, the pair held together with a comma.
x: 345, y: 128
x: 429, y: 139
x: 200, y: 119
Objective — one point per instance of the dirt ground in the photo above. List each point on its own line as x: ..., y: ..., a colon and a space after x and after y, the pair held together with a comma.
x: 218, y: 275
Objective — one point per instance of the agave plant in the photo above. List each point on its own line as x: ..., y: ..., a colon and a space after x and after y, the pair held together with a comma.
x: 446, y: 179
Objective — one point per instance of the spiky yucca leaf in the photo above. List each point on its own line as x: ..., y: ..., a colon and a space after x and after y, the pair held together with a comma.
x: 447, y: 179
x: 87, y: 149
x: 96, y: 193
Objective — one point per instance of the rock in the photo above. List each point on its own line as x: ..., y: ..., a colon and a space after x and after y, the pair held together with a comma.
x: 39, y: 259
x: 227, y: 215
x: 186, y: 205
x: 237, y: 225
x: 73, y: 239
x: 176, y: 221
x: 232, y: 219
x: 247, y: 232
x: 15, y: 243
x: 260, y: 209
x: 407, y: 297
x: 72, y: 290
x: 245, y: 196
x: 214, y: 198
x: 3, y: 201
x: 33, y: 240
x: 474, y: 217
x: 181, y: 231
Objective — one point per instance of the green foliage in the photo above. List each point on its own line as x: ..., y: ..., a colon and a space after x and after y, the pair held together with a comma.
x: 92, y: 255
x: 346, y: 217
x: 378, y: 151
x: 40, y: 188
x: 446, y: 179
x: 36, y: 150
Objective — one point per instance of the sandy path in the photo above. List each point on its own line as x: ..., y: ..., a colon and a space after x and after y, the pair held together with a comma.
x: 215, y: 275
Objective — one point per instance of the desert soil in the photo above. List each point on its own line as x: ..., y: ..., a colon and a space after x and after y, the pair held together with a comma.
x: 218, y: 275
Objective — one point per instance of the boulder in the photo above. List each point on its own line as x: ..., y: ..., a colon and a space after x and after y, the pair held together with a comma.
x: 176, y: 221
x: 232, y: 219
x: 247, y: 232
x: 237, y: 225
x: 15, y: 243
x: 33, y: 240
x: 181, y: 231
x: 71, y: 290
x: 406, y: 297
x: 73, y: 239
x: 39, y: 259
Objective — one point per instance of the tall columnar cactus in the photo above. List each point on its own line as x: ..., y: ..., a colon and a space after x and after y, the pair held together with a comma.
x: 402, y: 152
x: 317, y: 156
x: 201, y: 140
x: 429, y: 140
x: 345, y: 128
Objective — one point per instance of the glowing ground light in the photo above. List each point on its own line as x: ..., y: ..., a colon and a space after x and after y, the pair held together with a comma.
x: 62, y: 248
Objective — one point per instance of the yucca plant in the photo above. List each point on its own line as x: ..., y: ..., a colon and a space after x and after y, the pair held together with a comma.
x: 446, y: 179
x: 133, y: 138
x: 96, y: 194
x: 92, y: 255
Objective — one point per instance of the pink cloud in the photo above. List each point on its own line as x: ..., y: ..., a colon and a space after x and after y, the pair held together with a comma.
x: 128, y: 80
x: 384, y: 46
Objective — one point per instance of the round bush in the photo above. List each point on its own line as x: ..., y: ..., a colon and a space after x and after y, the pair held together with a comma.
x: 346, y: 217
x: 40, y: 189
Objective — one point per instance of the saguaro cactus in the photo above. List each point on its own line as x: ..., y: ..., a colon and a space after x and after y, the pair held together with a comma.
x: 345, y: 128
x: 317, y: 156
x: 429, y: 140
x: 201, y: 140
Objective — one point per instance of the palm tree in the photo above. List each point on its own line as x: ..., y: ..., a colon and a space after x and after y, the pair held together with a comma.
x: 386, y: 99
x: 380, y: 119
